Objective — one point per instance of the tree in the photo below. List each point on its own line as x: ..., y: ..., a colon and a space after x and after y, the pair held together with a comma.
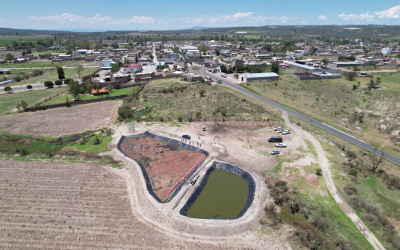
x: 8, y: 89
x: 275, y: 68
x: 68, y: 81
x: 325, y: 61
x: 29, y: 86
x: 202, y: 92
x: 115, y: 68
x: 79, y: 69
x: 115, y: 45
x: 58, y: 83
x: 318, y: 171
x: 9, y: 57
x: 110, y: 87
x: 202, y: 48
x: 223, y: 68
x: 21, y: 105
x: 376, y: 159
x: 60, y: 72
x: 48, y: 84
x: 75, y: 89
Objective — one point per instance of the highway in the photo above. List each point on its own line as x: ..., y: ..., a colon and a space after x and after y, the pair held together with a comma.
x: 323, y: 126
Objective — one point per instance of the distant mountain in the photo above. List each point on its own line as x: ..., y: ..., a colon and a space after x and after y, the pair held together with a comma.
x: 201, y: 28
x: 21, y: 31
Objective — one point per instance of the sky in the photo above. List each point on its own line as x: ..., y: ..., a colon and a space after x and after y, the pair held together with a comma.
x: 170, y: 15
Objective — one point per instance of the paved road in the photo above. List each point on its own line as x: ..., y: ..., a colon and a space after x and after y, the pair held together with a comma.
x: 323, y: 126
x: 23, y: 88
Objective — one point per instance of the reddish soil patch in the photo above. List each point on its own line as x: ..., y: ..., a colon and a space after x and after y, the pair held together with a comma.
x: 165, y: 163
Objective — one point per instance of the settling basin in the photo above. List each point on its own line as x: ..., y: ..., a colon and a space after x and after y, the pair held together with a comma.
x: 225, y: 192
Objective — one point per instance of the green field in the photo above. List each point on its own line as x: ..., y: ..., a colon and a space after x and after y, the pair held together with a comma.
x: 34, y: 64
x: 7, y: 40
x: 8, y: 101
x: 51, y: 75
x: 62, y: 98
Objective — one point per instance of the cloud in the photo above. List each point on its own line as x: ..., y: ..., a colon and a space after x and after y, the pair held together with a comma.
x: 393, y: 12
x: 284, y: 19
x: 97, y: 19
x: 304, y: 22
x: 365, y: 16
x: 322, y: 17
x: 198, y: 20
x: 238, y: 16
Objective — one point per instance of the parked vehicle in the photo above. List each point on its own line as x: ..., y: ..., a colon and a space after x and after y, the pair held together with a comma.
x: 275, y: 152
x: 186, y: 137
x: 280, y: 145
x: 204, y: 128
x: 223, y: 74
x: 277, y: 128
x: 275, y: 139
x: 286, y: 132
x: 279, y: 131
x: 219, y: 81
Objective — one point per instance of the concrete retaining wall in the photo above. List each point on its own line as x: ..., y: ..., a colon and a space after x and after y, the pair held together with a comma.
x: 172, y: 141
x: 231, y: 169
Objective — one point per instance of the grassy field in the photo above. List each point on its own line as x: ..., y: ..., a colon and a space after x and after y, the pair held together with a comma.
x: 51, y: 75
x: 355, y: 111
x: 7, y: 40
x: 183, y: 102
x: 317, y: 211
x: 34, y: 64
x: 367, y: 193
x: 8, y: 101
x: 63, y: 98
x: 162, y: 83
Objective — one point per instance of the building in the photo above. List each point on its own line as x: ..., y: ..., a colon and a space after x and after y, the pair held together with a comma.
x: 348, y: 64
x: 131, y: 68
x: 386, y: 51
x: 4, y: 72
x: 263, y: 56
x: 258, y: 77
x: 107, y: 63
x: 236, y: 63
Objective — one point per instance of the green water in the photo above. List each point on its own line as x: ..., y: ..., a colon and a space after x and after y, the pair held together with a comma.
x: 223, y: 197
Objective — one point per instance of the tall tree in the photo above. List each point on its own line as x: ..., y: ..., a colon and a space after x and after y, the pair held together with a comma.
x: 60, y: 72
x: 275, y: 68
x: 9, y: 57
x: 75, y: 89
x: 79, y: 70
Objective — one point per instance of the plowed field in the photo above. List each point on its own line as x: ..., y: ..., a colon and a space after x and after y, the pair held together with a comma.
x: 166, y: 164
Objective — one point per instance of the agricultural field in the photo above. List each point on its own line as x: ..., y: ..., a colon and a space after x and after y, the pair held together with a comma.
x: 7, y: 40
x: 165, y: 163
x: 61, y: 121
x: 371, y: 115
x: 63, y: 98
x: 58, y: 205
x: 8, y: 101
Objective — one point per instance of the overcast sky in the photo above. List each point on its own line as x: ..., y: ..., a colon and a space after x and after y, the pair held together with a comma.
x: 166, y: 15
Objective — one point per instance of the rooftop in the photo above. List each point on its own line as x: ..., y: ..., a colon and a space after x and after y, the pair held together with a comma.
x: 258, y: 75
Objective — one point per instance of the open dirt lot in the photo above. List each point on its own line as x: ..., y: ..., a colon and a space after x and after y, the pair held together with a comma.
x: 61, y: 121
x: 86, y: 206
x: 166, y: 164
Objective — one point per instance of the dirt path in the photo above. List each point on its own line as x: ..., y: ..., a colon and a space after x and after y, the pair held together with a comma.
x: 324, y: 164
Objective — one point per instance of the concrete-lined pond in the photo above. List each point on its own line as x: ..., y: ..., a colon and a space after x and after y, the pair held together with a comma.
x: 224, y: 196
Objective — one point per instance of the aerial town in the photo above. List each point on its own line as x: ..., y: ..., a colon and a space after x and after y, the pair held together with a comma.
x: 223, y: 137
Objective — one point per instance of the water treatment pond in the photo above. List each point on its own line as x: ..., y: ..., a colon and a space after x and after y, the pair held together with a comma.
x: 223, y: 197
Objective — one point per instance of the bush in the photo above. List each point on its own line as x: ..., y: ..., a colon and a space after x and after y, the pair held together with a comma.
x: 318, y: 171
x: 48, y: 84
x: 97, y: 141
x: 18, y: 78
x: 125, y: 112
x: 68, y: 81
x: 29, y: 86
x: 350, y: 189
x: 22, y: 151
x: 353, y: 172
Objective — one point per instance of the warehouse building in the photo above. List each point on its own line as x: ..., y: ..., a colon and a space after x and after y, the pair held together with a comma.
x: 258, y: 77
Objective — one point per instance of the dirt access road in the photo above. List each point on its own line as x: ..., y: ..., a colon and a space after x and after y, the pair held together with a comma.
x: 324, y: 164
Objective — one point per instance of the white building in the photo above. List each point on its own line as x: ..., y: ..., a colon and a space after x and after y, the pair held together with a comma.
x: 130, y: 69
x: 386, y: 51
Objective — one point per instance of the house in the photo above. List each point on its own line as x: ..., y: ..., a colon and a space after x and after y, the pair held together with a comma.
x: 131, y: 68
x: 386, y: 51
x: 4, y: 72
x: 257, y: 77
x: 107, y: 63
x: 263, y: 56
x: 101, y: 91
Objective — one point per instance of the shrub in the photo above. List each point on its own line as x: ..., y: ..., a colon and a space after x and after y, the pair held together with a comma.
x: 18, y: 78
x: 58, y: 83
x: 48, y: 84
x: 353, y: 172
x: 22, y: 151
x: 29, y: 86
x: 68, y: 81
x: 8, y: 89
x: 350, y: 189
x: 318, y: 171
x: 125, y: 112
x: 97, y: 141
